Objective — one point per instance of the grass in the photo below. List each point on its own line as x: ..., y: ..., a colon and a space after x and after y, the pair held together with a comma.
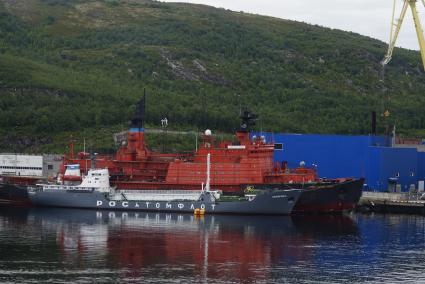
x: 84, y: 64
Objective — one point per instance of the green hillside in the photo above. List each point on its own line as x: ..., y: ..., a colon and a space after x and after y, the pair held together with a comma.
x: 71, y: 66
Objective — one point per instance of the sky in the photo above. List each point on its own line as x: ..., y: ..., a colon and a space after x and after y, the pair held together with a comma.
x: 367, y: 17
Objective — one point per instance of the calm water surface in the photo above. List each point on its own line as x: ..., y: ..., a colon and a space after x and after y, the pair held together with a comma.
x: 79, y: 246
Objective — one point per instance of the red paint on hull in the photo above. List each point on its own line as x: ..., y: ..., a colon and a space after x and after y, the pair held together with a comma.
x: 233, y: 165
x: 338, y: 197
x: 335, y: 207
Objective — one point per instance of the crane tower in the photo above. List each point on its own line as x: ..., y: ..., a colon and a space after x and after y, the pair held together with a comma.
x: 396, y: 26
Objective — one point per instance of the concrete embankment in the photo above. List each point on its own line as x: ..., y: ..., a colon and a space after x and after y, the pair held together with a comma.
x: 391, y: 203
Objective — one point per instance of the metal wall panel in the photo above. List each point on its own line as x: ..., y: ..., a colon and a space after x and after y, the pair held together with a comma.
x: 399, y: 164
x: 421, y: 166
x: 352, y: 156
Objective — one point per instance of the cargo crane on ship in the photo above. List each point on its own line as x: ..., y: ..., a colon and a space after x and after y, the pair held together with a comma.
x: 396, y: 26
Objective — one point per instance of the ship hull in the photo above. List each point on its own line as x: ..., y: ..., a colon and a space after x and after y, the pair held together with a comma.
x: 13, y: 194
x: 318, y: 198
x: 276, y: 202
x: 323, y: 197
x: 336, y: 198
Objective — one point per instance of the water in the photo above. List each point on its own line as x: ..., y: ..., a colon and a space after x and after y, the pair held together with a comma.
x: 79, y: 246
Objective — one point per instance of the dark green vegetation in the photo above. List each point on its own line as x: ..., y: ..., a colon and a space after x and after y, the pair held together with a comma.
x: 70, y: 66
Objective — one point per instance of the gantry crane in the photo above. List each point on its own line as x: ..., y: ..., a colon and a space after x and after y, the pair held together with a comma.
x: 396, y: 26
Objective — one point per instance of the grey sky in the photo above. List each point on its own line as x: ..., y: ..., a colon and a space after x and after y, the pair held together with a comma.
x: 371, y: 18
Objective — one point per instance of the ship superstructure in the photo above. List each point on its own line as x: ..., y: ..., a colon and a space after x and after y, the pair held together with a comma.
x: 235, y: 166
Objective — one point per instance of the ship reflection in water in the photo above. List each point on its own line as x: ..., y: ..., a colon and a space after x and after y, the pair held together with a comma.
x: 61, y: 245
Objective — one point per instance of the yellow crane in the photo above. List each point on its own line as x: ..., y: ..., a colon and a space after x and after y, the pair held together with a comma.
x: 396, y: 26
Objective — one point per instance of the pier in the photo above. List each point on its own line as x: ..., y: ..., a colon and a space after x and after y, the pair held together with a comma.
x: 385, y: 202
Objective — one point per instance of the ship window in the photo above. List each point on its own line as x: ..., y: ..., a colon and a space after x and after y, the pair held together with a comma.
x: 278, y: 146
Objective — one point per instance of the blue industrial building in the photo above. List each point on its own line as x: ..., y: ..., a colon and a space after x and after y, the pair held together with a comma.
x: 336, y: 156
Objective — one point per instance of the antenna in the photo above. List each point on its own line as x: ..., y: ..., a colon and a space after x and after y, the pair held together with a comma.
x: 196, y: 140
x: 144, y: 108
x: 85, y: 157
x: 71, y: 147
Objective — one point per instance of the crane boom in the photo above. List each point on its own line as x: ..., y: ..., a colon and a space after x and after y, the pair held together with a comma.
x: 395, y: 30
x: 419, y: 30
x: 396, y: 26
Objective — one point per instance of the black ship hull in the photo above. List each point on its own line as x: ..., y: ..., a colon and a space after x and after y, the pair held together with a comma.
x: 14, y: 194
x: 332, y: 198
x: 324, y: 197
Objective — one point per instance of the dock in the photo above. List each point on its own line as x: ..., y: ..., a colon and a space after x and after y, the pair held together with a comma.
x: 385, y: 202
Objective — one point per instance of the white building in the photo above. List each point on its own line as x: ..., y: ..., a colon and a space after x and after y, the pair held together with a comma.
x: 21, y: 165
x: 46, y: 165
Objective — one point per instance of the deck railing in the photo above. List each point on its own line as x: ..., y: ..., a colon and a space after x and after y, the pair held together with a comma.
x: 161, y: 195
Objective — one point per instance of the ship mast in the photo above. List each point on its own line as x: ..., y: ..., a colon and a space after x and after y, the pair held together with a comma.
x: 207, y: 183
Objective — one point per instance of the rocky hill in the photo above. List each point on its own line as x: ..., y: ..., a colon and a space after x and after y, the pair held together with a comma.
x: 71, y: 66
